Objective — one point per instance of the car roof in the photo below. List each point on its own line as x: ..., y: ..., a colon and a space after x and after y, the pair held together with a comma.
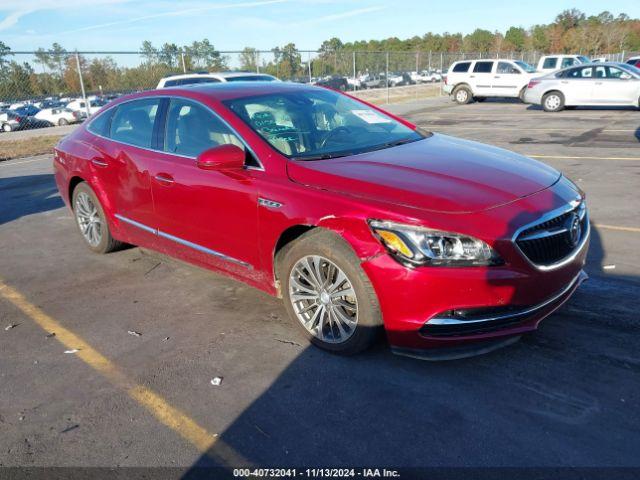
x: 225, y: 90
x: 214, y: 75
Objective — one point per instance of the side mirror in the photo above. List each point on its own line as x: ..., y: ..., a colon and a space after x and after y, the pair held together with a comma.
x: 222, y: 157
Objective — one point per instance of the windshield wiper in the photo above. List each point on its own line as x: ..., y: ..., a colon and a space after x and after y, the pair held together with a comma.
x: 323, y: 156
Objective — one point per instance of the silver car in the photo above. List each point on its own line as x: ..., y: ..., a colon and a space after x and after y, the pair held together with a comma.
x: 595, y: 84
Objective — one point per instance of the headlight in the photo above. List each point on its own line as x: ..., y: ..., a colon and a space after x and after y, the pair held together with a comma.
x: 423, y: 246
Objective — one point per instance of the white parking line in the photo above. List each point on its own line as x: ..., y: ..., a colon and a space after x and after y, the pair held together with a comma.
x: 497, y: 128
x: 576, y: 157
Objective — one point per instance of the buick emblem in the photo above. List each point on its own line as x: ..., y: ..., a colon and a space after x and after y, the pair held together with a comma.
x: 574, y: 229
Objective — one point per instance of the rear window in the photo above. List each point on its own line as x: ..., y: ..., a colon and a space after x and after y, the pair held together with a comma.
x: 550, y: 62
x: 483, y: 67
x: 251, y: 78
x: 568, y: 62
x: 461, y: 67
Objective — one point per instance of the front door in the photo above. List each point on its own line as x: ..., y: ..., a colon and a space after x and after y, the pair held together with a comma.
x: 206, y: 216
x: 507, y: 80
x: 613, y: 86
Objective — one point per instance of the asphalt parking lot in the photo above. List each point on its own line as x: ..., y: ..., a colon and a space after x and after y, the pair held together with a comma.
x: 568, y: 395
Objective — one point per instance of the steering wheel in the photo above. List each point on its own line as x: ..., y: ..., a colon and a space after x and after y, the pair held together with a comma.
x: 333, y: 133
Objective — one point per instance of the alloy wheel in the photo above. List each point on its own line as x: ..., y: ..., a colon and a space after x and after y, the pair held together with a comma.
x: 323, y: 299
x: 461, y: 96
x: 88, y: 219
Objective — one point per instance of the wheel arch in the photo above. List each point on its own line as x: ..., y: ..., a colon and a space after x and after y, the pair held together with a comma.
x: 74, y: 181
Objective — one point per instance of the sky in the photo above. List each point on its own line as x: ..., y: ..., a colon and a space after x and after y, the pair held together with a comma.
x: 234, y: 24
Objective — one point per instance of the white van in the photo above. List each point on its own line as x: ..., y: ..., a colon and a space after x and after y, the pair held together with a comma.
x: 469, y: 80
x: 551, y: 63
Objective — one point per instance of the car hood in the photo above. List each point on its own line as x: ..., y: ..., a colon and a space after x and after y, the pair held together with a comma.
x: 439, y: 174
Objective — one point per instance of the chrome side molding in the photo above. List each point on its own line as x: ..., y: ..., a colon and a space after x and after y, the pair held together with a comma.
x: 265, y: 202
x: 181, y: 241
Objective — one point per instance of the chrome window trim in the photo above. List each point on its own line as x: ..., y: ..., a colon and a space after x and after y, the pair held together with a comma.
x: 184, y: 242
x: 521, y: 313
x: 149, y: 149
x: 548, y: 216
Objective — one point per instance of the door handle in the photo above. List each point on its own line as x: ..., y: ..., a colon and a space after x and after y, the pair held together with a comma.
x: 598, y: 83
x: 472, y: 76
x: 564, y: 81
x: 164, y: 179
x: 98, y: 162
x: 497, y: 76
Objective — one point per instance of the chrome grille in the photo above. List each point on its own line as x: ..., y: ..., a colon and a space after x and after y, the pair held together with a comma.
x: 554, y: 239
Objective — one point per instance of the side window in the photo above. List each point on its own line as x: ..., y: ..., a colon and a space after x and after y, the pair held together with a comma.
x: 616, y: 73
x: 584, y: 72
x: 132, y: 122
x: 550, y: 62
x: 461, y: 67
x: 170, y: 83
x: 568, y: 62
x: 101, y: 124
x: 192, y: 129
x: 504, y: 67
x: 483, y: 67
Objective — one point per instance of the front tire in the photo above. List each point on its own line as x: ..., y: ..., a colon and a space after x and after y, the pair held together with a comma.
x: 553, y: 102
x: 91, y: 220
x: 7, y: 127
x: 328, y: 294
x: 62, y: 122
x: 462, y: 95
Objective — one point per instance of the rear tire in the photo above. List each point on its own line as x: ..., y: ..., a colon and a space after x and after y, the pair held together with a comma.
x: 462, y: 95
x: 62, y: 122
x: 553, y: 102
x: 6, y: 127
x: 326, y: 293
x: 91, y: 220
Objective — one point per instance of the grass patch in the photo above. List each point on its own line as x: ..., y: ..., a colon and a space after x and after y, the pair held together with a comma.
x: 26, y: 147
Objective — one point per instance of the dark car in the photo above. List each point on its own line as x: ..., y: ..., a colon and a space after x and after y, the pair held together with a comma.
x: 335, y: 83
x: 14, y: 120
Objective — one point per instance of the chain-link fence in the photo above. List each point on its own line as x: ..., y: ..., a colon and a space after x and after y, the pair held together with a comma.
x: 83, y: 81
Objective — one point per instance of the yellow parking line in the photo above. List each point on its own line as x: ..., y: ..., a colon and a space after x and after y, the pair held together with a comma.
x: 572, y: 157
x: 615, y: 227
x: 168, y: 415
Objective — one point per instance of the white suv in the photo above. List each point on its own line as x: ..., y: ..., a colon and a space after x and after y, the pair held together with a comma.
x: 469, y: 80
x: 552, y: 63
x: 205, y: 77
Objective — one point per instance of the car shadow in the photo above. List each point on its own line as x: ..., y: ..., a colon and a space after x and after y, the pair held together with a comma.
x: 541, y: 403
x: 26, y: 195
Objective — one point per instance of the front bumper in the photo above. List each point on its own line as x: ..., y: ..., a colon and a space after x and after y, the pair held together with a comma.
x: 440, y: 312
x: 509, y: 325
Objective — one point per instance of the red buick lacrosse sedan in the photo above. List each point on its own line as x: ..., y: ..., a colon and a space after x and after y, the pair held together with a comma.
x: 356, y: 218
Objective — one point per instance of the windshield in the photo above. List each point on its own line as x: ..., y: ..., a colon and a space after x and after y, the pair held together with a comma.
x: 525, y: 66
x: 630, y: 68
x: 584, y: 59
x: 319, y: 124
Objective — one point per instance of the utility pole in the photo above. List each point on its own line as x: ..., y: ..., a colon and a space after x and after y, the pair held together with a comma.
x: 84, y: 95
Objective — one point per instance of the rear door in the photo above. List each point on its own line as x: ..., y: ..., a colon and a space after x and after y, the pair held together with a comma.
x: 121, y: 157
x: 482, y: 78
x: 578, y: 85
x: 205, y: 216
x: 507, y: 79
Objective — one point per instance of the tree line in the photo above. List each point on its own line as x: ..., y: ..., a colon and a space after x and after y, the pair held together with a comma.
x: 54, y: 71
